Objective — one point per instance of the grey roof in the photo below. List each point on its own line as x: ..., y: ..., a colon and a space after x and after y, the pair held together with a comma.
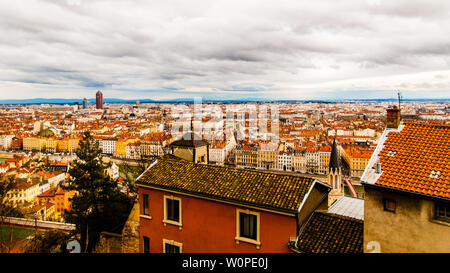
x: 348, y: 206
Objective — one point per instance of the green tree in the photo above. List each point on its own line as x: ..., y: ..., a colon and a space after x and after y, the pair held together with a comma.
x: 98, y: 205
x: 7, y: 209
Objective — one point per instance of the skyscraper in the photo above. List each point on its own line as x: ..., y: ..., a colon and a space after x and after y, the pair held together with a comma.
x: 99, y: 100
x: 85, y: 103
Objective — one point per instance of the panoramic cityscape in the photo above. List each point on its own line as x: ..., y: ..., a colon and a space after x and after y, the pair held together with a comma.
x: 259, y: 160
x: 234, y: 128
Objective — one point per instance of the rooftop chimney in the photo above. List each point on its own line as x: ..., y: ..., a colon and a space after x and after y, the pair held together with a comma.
x: 393, y: 117
x: 378, y: 168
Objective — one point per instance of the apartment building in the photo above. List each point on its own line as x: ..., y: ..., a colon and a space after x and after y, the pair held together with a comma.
x: 182, y: 208
x: 407, y: 189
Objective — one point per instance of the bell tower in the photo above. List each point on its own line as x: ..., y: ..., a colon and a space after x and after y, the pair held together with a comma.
x: 335, y: 175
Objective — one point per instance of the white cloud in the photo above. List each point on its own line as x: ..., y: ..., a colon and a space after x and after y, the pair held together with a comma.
x: 222, y: 49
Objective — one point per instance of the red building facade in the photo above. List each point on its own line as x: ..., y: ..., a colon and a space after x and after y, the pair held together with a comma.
x: 236, y: 211
x: 209, y: 226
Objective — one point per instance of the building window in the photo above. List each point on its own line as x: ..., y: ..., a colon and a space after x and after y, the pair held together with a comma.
x: 172, y: 211
x: 248, y: 227
x: 390, y: 205
x: 146, y: 244
x: 145, y: 207
x: 170, y: 246
x: 442, y: 211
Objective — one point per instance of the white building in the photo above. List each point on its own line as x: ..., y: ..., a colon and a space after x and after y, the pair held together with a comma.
x: 4, y: 168
x: 149, y: 148
x: 107, y: 145
x: 365, y: 132
x: 133, y: 150
x: 113, y: 171
x: 217, y: 152
x: 6, y: 141
x: 344, y: 132
x: 284, y: 161
x: 231, y: 144
x: 55, y: 180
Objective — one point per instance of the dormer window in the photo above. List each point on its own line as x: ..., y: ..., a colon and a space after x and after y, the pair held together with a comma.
x: 391, y: 153
x: 435, y: 174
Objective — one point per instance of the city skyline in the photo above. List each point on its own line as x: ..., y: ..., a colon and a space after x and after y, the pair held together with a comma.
x: 224, y: 50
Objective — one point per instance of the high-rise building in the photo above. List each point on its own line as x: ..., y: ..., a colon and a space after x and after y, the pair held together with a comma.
x: 85, y: 103
x: 99, y: 100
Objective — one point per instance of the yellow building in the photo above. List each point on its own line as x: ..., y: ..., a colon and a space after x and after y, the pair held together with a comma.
x: 247, y: 156
x: 23, y: 192
x: 267, y: 157
x: 51, y: 145
x: 68, y: 145
x: 34, y: 143
x: 357, y: 159
x: 121, y: 147
x: 299, y: 161
x: 324, y: 159
x: 73, y: 144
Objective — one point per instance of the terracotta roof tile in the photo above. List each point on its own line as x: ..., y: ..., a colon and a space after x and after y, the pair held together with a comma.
x: 331, y: 233
x: 275, y: 191
x: 417, y: 159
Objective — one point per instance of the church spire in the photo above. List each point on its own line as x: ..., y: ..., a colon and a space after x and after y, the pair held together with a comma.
x: 334, y: 157
x: 334, y: 175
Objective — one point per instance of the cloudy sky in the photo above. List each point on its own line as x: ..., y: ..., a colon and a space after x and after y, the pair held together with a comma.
x: 145, y: 49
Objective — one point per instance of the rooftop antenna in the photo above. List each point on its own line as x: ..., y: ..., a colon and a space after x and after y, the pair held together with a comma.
x: 399, y: 94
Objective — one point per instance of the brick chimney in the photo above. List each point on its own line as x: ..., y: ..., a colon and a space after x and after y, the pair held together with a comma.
x: 393, y: 117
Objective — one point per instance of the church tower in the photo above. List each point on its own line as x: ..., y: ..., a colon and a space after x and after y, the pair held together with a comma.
x: 191, y: 147
x: 335, y: 175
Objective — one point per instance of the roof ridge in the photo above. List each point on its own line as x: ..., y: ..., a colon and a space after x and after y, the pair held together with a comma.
x: 235, y: 168
x: 431, y: 124
x: 335, y: 215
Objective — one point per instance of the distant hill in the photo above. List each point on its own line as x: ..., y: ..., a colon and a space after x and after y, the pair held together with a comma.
x: 68, y: 101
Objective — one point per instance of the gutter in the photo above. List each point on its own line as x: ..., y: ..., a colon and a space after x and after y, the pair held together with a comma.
x: 405, y: 192
x: 303, y: 224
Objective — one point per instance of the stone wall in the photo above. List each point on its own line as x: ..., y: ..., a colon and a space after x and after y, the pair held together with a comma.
x: 410, y: 229
x: 109, y: 243
x: 130, y: 232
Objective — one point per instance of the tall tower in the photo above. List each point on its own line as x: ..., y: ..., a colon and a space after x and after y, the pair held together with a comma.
x: 99, y: 100
x: 191, y: 147
x: 85, y: 103
x: 334, y: 175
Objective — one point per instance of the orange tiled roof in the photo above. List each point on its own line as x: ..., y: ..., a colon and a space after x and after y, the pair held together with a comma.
x: 417, y: 159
